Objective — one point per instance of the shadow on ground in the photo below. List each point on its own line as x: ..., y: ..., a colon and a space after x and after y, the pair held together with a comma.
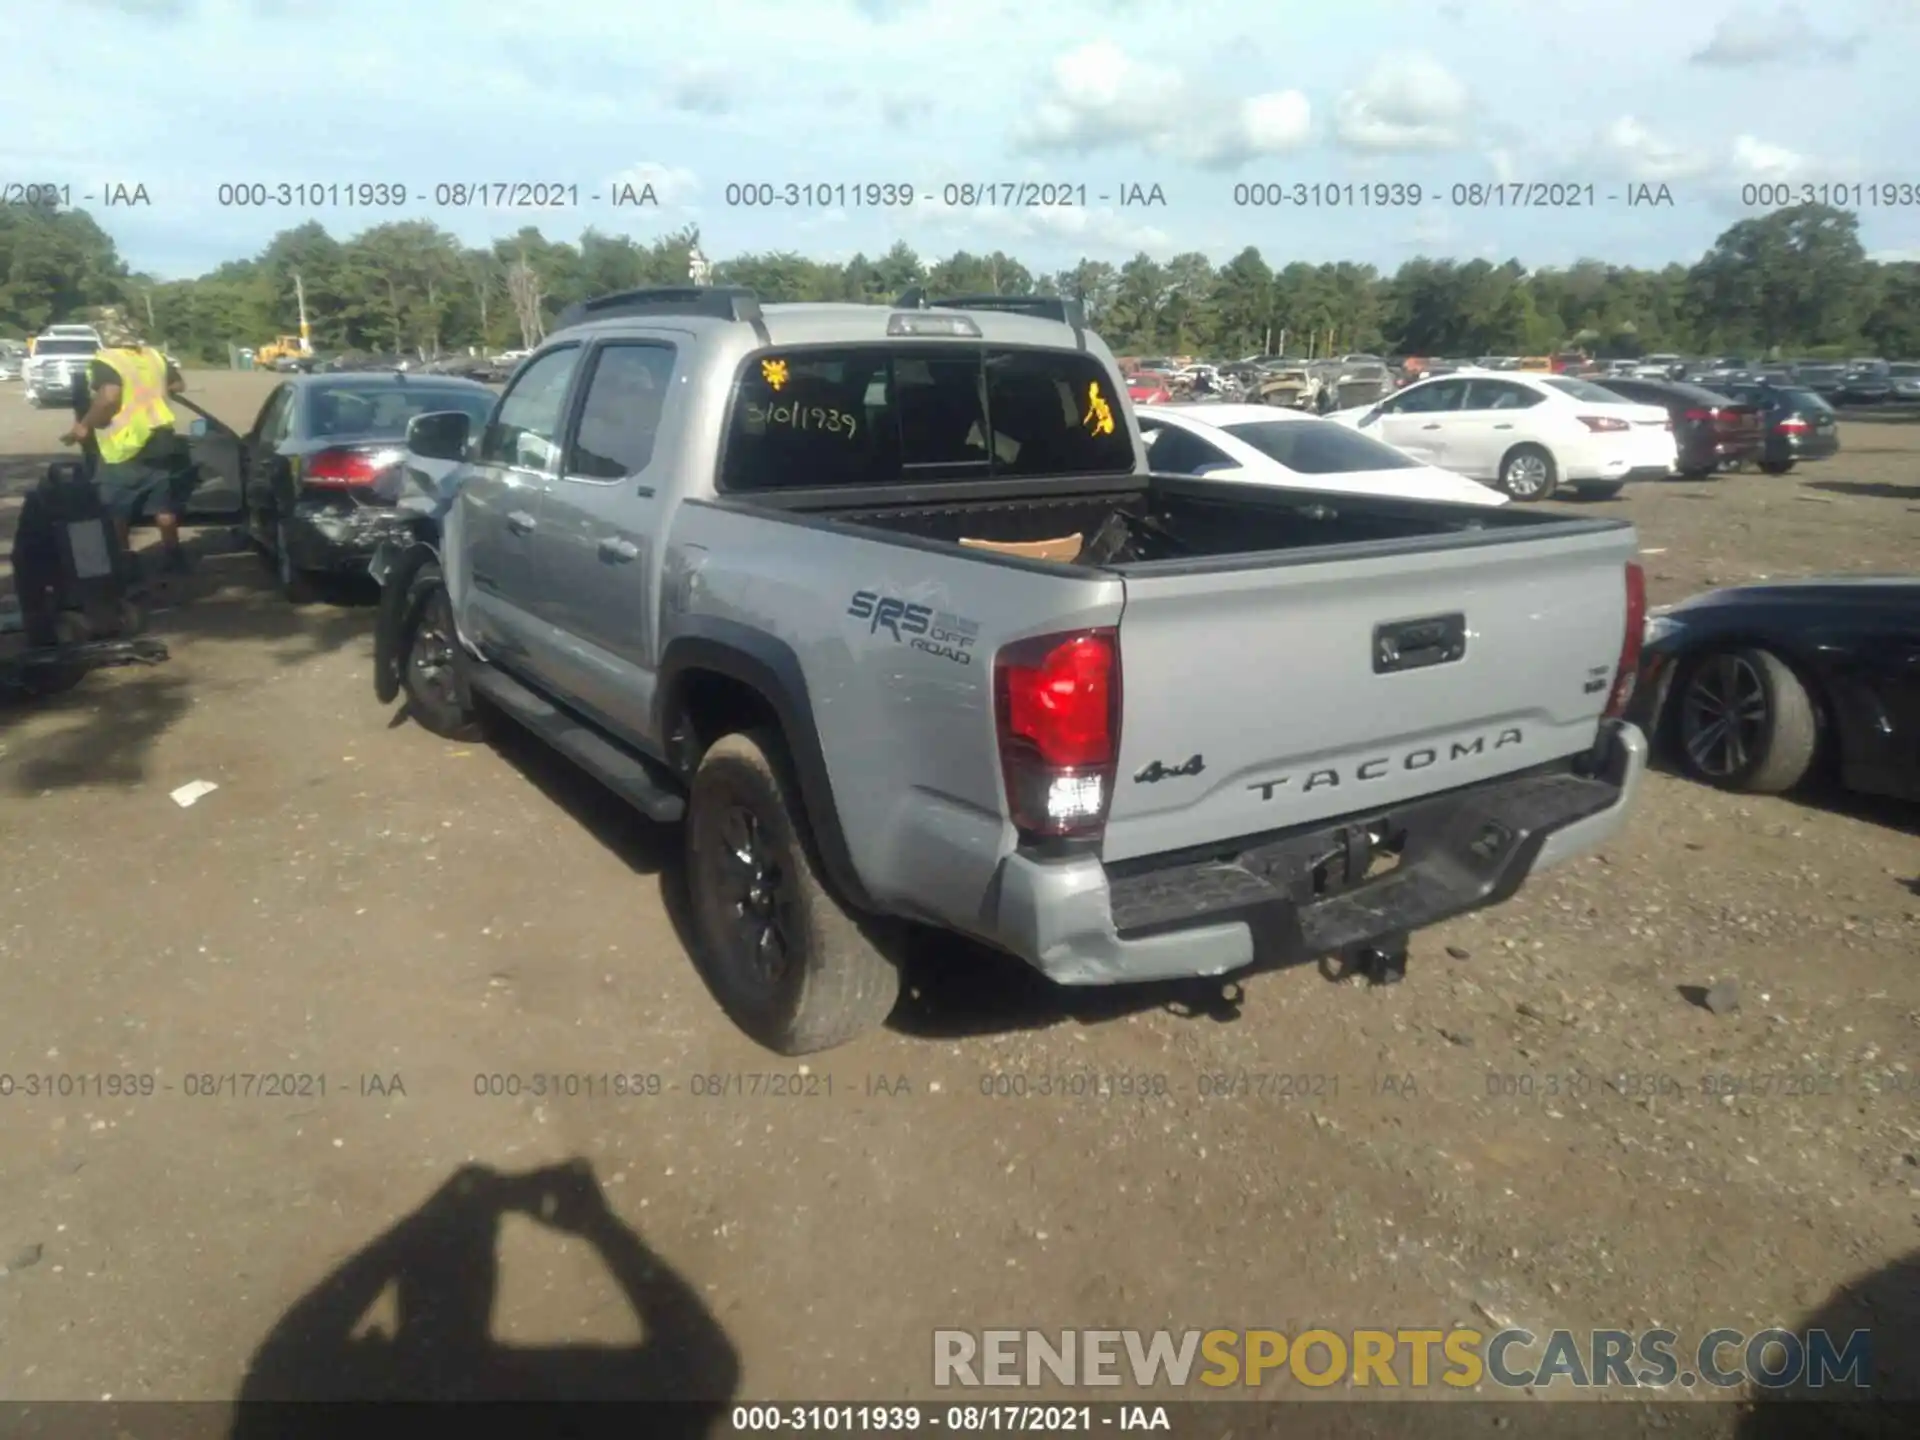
x: 439, y: 1268
x: 951, y: 986
x: 1886, y: 1305
x: 1871, y: 489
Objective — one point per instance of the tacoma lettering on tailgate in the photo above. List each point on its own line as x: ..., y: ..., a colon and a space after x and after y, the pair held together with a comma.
x: 1382, y: 766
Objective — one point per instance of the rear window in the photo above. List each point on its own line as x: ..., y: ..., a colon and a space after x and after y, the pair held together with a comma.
x: 1581, y: 390
x: 886, y: 415
x: 386, y: 409
x: 1319, y: 447
x: 1807, y: 400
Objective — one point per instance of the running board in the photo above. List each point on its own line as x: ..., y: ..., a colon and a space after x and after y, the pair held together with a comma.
x: 634, y: 778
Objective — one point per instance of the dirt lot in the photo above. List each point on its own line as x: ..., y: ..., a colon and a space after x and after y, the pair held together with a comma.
x: 1522, y: 1131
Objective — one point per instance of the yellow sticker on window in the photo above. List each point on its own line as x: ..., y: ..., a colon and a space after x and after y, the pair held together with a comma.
x: 1099, y: 416
x: 774, y: 372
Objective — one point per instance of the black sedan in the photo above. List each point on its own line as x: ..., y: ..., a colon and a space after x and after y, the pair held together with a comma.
x: 1800, y: 425
x: 317, y: 474
x: 1748, y: 688
x: 1865, y: 387
x: 1711, y: 431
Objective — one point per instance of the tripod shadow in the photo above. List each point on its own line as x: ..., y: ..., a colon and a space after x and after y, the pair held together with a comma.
x: 440, y: 1266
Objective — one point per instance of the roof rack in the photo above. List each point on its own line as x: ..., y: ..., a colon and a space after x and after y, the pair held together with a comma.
x: 715, y: 302
x: 1041, y: 307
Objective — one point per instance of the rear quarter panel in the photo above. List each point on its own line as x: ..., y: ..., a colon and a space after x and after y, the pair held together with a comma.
x: 904, y: 710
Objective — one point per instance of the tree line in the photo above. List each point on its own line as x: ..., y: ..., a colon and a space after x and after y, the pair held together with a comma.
x: 1794, y: 282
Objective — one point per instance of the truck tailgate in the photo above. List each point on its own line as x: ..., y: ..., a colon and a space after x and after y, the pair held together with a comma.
x: 1258, y: 699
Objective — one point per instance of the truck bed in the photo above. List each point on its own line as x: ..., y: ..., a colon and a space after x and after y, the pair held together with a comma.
x: 1290, y: 657
x: 1176, y: 524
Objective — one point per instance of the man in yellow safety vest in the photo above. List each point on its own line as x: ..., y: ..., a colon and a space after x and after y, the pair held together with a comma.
x: 145, y: 466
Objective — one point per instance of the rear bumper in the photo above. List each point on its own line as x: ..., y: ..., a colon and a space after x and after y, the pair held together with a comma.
x: 1080, y: 925
x: 323, y: 540
x: 1803, y: 447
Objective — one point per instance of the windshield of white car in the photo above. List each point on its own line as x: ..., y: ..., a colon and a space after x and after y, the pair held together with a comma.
x: 1319, y: 447
x: 1583, y: 390
x: 64, y: 347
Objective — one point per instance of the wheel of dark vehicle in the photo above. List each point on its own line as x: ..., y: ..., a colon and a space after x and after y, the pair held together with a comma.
x: 1528, y: 473
x: 430, y: 670
x: 1776, y: 467
x: 1606, y: 491
x: 295, y: 584
x: 783, y: 956
x: 1743, y: 721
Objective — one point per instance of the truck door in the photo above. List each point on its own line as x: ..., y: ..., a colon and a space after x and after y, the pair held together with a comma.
x: 595, y: 557
x: 500, y: 503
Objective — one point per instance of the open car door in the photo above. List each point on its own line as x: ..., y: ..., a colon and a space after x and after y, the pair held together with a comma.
x: 219, y: 459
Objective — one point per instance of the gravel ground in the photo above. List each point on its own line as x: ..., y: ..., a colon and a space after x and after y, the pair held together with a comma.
x: 1538, y: 1126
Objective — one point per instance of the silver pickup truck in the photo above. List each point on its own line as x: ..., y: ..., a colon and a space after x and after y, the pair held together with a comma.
x: 886, y: 605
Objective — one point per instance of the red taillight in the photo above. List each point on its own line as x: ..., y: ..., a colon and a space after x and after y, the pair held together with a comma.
x: 1602, y: 423
x: 1057, y: 700
x: 1629, y: 670
x: 1699, y: 417
x: 1791, y: 426
x: 335, y: 469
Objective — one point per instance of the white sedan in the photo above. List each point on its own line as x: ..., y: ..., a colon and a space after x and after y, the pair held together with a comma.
x: 1529, y: 435
x: 1268, y: 445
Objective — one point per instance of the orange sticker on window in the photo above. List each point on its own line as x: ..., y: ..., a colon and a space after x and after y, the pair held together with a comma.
x: 1099, y: 416
x: 774, y: 372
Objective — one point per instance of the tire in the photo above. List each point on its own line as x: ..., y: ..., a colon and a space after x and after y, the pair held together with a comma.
x: 1606, y: 491
x: 826, y: 981
x: 432, y: 667
x: 1528, y: 474
x: 1776, y: 467
x: 1777, y: 729
x: 296, y: 585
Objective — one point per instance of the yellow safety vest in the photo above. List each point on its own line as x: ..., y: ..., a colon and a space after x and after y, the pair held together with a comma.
x: 143, y: 402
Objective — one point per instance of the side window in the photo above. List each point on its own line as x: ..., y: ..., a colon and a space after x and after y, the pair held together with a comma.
x: 1434, y: 395
x: 626, y: 397
x: 1177, y: 452
x: 525, y: 431
x: 1500, y: 395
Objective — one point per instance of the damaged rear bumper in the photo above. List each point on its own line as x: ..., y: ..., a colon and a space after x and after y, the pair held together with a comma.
x: 338, y: 538
x: 1286, y: 898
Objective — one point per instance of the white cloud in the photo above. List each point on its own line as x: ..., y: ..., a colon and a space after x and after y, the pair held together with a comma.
x: 1406, y: 103
x: 1102, y: 99
x: 1629, y: 149
x: 1761, y: 34
x: 1907, y: 256
x: 1430, y: 232
x: 1756, y: 160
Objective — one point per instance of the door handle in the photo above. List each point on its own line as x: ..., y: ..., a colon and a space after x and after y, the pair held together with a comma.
x: 614, y: 548
x: 1434, y: 426
x: 520, y: 522
x: 1503, y: 427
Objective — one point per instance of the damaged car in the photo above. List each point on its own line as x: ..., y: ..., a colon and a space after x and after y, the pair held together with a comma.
x: 321, y: 468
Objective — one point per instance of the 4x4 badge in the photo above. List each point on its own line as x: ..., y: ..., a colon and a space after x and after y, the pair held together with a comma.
x: 1157, y: 771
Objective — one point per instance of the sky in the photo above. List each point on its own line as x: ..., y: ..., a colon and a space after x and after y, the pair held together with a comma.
x: 1131, y: 122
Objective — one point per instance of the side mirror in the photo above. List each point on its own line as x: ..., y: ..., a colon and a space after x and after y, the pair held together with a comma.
x: 441, y: 435
x: 197, y: 428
